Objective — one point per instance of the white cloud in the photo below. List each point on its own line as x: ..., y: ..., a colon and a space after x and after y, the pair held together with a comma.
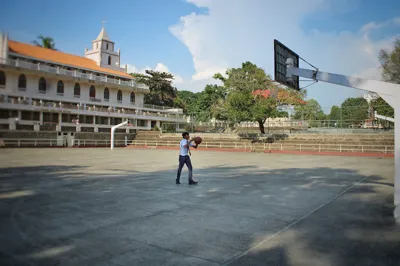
x: 159, y: 67
x: 242, y: 30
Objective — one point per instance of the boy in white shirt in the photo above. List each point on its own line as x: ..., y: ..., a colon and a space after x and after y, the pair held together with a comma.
x: 184, y: 158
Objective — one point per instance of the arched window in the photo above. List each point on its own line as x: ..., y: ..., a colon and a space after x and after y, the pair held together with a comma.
x: 22, y: 81
x: 92, y: 92
x: 2, y: 79
x: 133, y: 97
x: 42, y: 85
x: 109, y: 60
x: 77, y: 90
x: 106, y: 94
x: 60, y: 87
x: 119, y: 96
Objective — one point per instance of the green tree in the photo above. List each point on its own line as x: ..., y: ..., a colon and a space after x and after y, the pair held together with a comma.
x: 205, y: 105
x: 160, y: 84
x: 245, y: 103
x: 187, y: 97
x: 383, y: 108
x: 213, y: 101
x: 354, y: 111
x: 390, y: 62
x: 312, y: 110
x: 179, y: 103
x: 45, y: 42
x: 334, y: 115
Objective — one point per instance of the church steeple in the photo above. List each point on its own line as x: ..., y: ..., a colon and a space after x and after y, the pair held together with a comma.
x: 103, y: 35
x: 103, y: 53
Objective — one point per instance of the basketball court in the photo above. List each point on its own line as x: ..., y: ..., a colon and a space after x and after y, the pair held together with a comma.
x: 122, y: 207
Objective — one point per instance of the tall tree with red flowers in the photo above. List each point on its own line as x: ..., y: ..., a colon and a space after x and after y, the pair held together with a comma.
x: 252, y: 95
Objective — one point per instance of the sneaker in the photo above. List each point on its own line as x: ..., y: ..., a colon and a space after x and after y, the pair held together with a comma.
x: 177, y: 182
x: 193, y: 182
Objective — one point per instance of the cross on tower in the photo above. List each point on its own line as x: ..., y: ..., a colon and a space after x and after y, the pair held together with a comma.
x: 103, y: 22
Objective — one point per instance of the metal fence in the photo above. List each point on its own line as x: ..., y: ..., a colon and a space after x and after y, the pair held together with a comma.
x: 387, y: 149
x: 22, y: 142
x: 275, y: 126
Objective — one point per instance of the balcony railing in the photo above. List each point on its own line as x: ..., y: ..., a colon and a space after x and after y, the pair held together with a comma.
x: 77, y: 74
x: 151, y: 106
x: 93, y: 99
x: 47, y: 105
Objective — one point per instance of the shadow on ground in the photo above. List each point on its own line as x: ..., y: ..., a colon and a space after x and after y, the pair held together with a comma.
x: 70, y: 215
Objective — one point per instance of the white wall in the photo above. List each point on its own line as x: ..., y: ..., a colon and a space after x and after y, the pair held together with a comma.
x: 32, y: 87
x: 104, y: 60
x: 93, y: 56
x: 139, y: 99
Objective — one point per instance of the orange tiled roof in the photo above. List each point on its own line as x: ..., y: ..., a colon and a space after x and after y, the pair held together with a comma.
x: 60, y: 58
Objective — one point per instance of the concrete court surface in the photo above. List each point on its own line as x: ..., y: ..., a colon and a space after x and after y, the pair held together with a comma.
x: 122, y: 207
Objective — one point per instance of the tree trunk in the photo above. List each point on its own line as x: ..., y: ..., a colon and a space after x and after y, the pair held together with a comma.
x: 261, y: 125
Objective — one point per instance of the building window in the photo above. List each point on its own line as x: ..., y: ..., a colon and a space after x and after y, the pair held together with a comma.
x: 107, y: 46
x: 92, y: 92
x: 22, y: 82
x: 109, y: 60
x: 42, y: 85
x: 2, y: 79
x: 106, y: 94
x: 119, y: 96
x: 132, y: 98
x: 60, y: 87
x: 77, y: 90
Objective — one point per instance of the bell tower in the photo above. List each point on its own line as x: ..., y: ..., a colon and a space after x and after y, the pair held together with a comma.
x: 103, y: 53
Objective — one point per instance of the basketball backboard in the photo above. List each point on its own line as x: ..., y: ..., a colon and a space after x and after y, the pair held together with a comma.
x: 281, y: 53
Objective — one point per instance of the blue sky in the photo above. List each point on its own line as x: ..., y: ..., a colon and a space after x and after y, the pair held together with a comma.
x: 195, y: 38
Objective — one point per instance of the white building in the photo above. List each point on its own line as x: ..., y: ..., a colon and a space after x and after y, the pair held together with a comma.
x: 50, y: 90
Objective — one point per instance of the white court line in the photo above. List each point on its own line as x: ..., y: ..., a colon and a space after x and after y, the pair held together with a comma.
x: 292, y: 224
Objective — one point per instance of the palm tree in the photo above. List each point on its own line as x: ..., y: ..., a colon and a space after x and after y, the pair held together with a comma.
x: 45, y: 42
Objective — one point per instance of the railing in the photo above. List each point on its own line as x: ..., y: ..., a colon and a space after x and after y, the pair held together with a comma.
x: 29, y: 142
x: 46, y: 105
x: 387, y: 149
x: 98, y: 143
x: 19, y: 142
x: 74, y: 73
x: 159, y: 107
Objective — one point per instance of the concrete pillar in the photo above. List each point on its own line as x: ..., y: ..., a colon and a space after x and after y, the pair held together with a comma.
x: 41, y: 117
x: 149, y: 124
x: 109, y: 121
x: 59, y: 122
x: 397, y: 164
x: 12, y: 126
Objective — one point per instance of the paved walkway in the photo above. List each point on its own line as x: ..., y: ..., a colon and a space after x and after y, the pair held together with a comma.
x: 121, y: 207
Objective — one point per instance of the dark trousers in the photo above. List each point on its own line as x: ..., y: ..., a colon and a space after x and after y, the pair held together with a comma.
x: 182, y: 161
